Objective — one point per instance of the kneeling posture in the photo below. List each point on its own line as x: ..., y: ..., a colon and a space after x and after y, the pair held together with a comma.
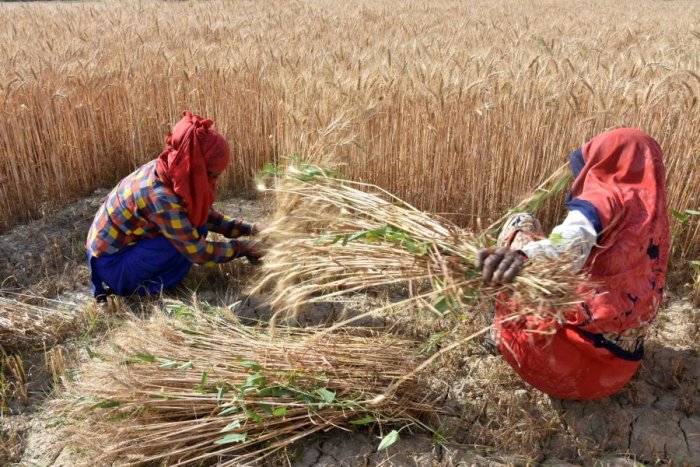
x: 153, y: 225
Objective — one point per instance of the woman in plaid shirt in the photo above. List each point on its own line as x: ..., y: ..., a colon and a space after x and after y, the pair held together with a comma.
x: 153, y: 225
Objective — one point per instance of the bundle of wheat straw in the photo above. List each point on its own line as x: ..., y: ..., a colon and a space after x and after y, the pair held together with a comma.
x: 334, y: 237
x: 202, y: 389
x: 29, y: 325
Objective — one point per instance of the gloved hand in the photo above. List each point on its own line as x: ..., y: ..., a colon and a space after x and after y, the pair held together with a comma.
x: 500, y: 265
x: 254, y: 260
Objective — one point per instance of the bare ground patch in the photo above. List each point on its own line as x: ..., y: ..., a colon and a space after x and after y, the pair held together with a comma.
x: 496, y: 419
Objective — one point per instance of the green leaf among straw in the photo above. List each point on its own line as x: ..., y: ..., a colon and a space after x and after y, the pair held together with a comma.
x: 334, y: 237
x: 205, y: 389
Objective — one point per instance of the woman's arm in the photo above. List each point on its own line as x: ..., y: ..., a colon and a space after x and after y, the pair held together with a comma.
x: 228, y: 226
x: 574, y: 238
x: 175, y: 226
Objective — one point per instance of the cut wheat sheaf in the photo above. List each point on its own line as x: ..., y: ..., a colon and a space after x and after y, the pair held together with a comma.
x: 200, y: 388
x: 191, y: 386
x: 29, y: 325
x: 334, y: 237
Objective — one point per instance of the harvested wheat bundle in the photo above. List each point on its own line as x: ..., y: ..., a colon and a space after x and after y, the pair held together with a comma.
x: 205, y: 389
x: 29, y: 325
x: 335, y: 237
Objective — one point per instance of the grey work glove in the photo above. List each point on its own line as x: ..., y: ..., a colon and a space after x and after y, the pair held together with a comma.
x: 500, y: 265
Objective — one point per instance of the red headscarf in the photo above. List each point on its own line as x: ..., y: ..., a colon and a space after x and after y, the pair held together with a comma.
x: 194, y: 149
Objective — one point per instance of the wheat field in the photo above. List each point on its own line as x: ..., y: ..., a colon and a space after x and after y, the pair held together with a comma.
x: 457, y: 107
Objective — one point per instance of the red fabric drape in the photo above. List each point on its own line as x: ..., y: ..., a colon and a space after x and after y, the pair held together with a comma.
x: 624, y: 179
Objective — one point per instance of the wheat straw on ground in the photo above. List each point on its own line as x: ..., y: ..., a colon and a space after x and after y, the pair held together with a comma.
x: 202, y: 388
x: 29, y: 325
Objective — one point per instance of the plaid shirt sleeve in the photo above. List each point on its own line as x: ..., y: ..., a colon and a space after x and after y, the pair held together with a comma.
x: 176, y: 227
x: 227, y: 226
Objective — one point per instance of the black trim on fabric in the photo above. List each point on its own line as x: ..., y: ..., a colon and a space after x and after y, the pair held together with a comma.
x: 599, y: 341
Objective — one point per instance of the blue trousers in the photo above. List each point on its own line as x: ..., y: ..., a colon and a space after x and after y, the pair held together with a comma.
x: 147, y: 267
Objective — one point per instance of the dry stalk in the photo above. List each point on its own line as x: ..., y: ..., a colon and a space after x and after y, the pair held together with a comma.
x: 695, y: 285
x: 28, y: 325
x: 334, y: 237
x: 458, y: 109
x: 203, y: 389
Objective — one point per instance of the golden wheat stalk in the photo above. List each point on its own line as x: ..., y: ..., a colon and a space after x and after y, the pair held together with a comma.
x: 30, y: 325
x: 334, y: 237
x: 428, y: 123
x: 202, y: 388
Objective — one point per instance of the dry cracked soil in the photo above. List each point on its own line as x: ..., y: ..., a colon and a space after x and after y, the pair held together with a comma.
x: 497, y: 420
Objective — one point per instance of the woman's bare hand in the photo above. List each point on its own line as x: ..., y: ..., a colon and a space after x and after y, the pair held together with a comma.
x: 500, y: 265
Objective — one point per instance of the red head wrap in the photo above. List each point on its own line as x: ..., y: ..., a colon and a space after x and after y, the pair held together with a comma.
x: 194, y: 149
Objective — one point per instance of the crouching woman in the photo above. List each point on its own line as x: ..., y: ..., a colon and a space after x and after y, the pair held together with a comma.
x: 617, y: 233
x: 153, y: 225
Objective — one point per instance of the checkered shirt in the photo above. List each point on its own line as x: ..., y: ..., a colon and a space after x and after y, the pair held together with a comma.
x: 140, y: 207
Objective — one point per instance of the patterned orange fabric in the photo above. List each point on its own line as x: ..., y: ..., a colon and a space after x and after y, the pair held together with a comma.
x: 565, y: 365
x: 624, y: 178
